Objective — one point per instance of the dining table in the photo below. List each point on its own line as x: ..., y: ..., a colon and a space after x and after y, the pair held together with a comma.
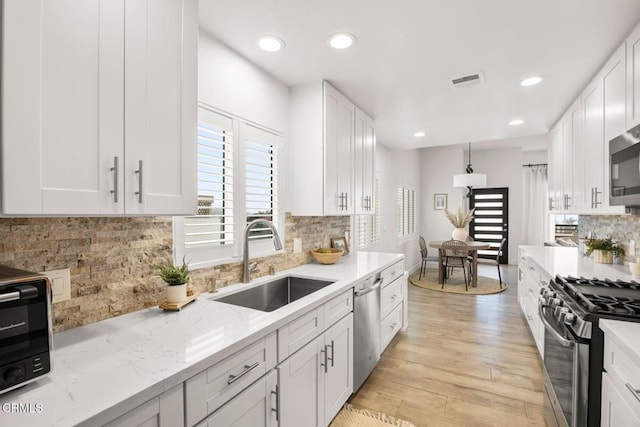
x: 472, y: 247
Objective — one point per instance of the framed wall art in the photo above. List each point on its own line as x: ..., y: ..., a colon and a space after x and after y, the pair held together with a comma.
x: 440, y: 202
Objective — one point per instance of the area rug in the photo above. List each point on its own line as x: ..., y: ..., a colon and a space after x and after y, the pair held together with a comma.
x: 354, y: 417
x: 455, y: 283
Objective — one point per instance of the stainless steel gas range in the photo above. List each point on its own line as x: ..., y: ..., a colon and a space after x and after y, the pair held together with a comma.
x: 570, y: 310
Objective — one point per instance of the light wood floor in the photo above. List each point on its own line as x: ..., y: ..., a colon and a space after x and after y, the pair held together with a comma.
x: 464, y: 361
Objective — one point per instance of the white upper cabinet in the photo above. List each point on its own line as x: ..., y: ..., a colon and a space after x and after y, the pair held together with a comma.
x: 593, y: 105
x: 579, y: 170
x: 633, y: 78
x: 161, y: 54
x: 339, y: 126
x: 365, y: 146
x: 90, y: 89
x: 556, y: 193
x: 332, y: 153
x: 62, y: 125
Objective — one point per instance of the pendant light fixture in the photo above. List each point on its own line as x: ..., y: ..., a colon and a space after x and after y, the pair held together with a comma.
x: 470, y: 179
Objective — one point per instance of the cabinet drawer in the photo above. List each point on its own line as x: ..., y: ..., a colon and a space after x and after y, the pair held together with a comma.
x: 389, y: 326
x: 299, y: 332
x: 210, y: 389
x: 164, y: 410
x: 390, y: 274
x: 621, y: 367
x: 255, y: 406
x: 390, y: 297
x: 338, y: 307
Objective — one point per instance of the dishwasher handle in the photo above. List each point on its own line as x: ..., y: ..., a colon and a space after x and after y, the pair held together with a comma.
x: 365, y: 291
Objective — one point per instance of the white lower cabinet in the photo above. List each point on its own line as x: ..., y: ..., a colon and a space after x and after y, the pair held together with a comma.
x: 256, y: 406
x: 531, y: 279
x: 211, y: 388
x: 620, y: 405
x: 338, y: 378
x: 166, y: 410
x: 392, y: 303
x: 615, y: 410
x: 316, y: 381
x: 301, y: 381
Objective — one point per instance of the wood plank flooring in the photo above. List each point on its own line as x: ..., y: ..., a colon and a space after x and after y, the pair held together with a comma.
x: 464, y: 361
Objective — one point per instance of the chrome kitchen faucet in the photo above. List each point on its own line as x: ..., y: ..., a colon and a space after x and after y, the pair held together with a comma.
x: 277, y: 243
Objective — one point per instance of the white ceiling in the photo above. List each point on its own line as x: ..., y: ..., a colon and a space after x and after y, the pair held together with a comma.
x: 409, y: 50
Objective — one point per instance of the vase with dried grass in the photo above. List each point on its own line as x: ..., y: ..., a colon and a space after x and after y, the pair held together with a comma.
x: 459, y: 220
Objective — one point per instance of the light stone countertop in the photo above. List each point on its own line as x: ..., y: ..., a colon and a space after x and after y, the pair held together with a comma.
x: 103, y: 370
x: 568, y: 262
x: 625, y: 334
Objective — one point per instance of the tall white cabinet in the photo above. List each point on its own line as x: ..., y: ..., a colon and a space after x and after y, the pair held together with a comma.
x: 325, y: 125
x: 579, y: 142
x: 91, y: 91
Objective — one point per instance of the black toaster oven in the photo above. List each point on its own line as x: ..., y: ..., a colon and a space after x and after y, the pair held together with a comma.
x: 25, y: 327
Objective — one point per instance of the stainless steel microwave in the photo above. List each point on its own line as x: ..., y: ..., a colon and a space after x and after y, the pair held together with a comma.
x: 624, y: 177
x: 25, y: 327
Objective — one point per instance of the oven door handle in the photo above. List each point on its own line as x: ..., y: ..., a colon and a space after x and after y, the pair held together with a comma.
x: 9, y: 296
x: 557, y: 335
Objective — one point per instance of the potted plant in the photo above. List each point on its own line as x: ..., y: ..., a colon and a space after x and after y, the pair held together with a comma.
x: 176, y: 277
x: 459, y: 221
x: 603, y: 250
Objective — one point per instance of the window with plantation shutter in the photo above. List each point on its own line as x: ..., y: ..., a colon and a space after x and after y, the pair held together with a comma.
x: 237, y: 183
x: 261, y: 180
x: 367, y: 225
x: 406, y: 211
x: 211, y: 233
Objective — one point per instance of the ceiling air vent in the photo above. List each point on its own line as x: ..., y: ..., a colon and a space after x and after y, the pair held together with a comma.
x: 471, y: 79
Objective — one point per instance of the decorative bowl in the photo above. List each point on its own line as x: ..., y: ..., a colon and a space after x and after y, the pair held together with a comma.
x: 327, y: 255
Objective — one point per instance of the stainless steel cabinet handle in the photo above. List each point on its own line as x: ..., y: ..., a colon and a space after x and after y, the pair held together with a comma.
x: 324, y: 355
x: 114, y: 169
x: 595, y: 196
x: 550, y: 203
x: 245, y: 371
x: 634, y: 391
x: 139, y: 172
x: 346, y: 201
x: 332, y: 352
x: 277, y: 408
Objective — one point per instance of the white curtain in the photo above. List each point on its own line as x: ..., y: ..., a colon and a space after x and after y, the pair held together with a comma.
x: 534, y: 209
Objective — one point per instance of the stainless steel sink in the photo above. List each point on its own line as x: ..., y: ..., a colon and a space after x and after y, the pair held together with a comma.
x: 276, y: 293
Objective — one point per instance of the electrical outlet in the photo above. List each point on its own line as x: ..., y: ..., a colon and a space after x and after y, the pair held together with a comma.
x: 297, y: 245
x: 60, y: 284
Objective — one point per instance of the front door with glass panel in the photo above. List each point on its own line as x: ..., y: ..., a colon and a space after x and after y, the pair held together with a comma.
x: 491, y: 220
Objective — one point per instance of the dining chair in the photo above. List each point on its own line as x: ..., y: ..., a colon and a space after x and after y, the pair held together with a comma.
x: 423, y: 253
x: 454, y: 255
x: 492, y: 261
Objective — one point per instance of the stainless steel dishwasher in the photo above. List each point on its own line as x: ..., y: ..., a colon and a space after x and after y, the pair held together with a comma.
x: 366, y: 329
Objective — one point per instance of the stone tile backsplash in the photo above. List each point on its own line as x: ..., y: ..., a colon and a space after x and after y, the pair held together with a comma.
x: 621, y: 228
x: 111, y: 259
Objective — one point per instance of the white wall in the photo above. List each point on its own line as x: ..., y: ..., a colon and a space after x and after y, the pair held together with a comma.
x: 437, y: 167
x: 395, y: 169
x: 229, y: 82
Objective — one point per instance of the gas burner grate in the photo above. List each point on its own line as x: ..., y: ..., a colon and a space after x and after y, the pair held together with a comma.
x: 610, y: 305
x: 606, y: 283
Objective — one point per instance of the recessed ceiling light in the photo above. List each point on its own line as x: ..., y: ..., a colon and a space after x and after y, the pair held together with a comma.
x: 419, y: 134
x: 531, y: 81
x: 516, y: 122
x: 341, y: 40
x: 270, y: 43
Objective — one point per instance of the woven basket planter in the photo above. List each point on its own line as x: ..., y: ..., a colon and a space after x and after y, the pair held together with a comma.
x: 603, y: 257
